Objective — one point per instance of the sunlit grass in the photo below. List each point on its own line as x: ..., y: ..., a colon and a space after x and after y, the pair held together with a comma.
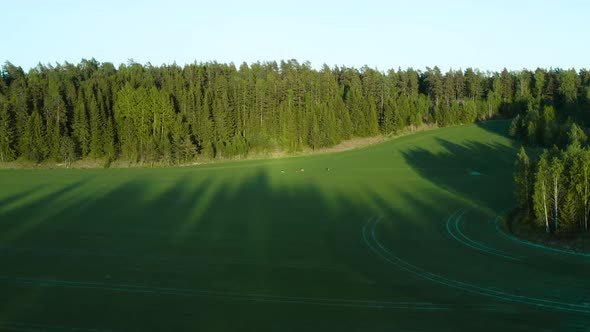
x: 265, y: 240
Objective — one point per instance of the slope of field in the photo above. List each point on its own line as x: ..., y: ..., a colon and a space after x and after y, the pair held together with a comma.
x: 397, y: 236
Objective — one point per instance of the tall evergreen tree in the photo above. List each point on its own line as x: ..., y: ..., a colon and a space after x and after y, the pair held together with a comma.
x: 522, y: 179
x: 81, y: 130
x: 96, y: 128
x: 35, y: 138
x: 6, y: 133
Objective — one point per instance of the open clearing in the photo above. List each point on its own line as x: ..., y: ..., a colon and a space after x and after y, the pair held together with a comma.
x: 397, y: 236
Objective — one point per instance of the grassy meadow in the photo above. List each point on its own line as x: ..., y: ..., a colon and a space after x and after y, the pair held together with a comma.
x: 400, y: 235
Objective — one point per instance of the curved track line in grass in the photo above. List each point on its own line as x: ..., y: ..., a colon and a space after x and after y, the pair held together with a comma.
x: 532, y: 244
x: 230, y: 296
x: 18, y: 326
x: 453, y: 225
x: 394, y: 260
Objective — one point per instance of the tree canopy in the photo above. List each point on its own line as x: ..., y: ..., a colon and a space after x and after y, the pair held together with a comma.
x: 171, y: 114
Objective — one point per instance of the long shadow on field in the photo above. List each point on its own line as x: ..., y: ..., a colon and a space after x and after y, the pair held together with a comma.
x: 241, y: 232
x: 496, y: 127
x: 479, y: 172
x: 197, y: 230
x: 39, y: 210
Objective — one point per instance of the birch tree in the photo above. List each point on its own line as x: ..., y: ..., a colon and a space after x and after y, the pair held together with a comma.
x: 541, y: 192
x: 556, y: 177
x: 582, y: 183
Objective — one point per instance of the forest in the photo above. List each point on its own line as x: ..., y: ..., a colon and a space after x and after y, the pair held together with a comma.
x: 172, y: 114
x: 553, y: 186
x: 553, y: 190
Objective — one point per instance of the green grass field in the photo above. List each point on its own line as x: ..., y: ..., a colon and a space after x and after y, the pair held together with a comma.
x: 399, y: 236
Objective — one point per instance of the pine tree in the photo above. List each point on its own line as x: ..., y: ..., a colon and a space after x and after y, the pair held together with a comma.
x: 568, y: 85
x: 507, y: 87
x: 522, y: 179
x: 54, y: 139
x: 109, y: 140
x: 7, y: 153
x: 204, y: 129
x: 81, y: 130
x: 372, y: 120
x: 96, y: 128
x: 183, y: 147
x: 344, y: 118
x: 35, y: 138
x: 472, y: 84
x: 569, y: 211
x: 314, y: 132
x: 539, y: 84
x: 20, y: 104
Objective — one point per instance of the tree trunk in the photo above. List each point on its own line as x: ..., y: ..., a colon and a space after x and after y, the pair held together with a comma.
x: 545, y: 209
x: 586, y: 198
x: 586, y: 215
x: 382, y: 106
x: 526, y: 189
x: 555, y: 199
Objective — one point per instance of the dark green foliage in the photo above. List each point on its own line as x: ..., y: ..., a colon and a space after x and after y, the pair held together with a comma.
x: 67, y: 150
x: 523, y: 180
x: 173, y: 114
x: 34, y: 139
x: 80, y: 127
x: 7, y: 152
x: 555, y: 117
x: 558, y: 187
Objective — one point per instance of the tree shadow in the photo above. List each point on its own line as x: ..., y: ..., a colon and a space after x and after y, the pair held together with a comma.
x: 498, y: 127
x: 181, y: 249
x: 480, y: 172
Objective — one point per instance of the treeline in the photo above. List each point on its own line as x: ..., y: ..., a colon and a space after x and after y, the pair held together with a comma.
x: 554, y: 189
x: 561, y: 100
x: 172, y: 114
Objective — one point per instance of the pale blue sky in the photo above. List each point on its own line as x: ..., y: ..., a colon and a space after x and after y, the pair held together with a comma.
x: 488, y: 35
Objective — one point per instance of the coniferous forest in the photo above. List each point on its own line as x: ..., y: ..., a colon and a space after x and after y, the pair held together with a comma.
x: 172, y: 114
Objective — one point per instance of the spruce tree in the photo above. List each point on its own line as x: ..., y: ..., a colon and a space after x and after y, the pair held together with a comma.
x: 36, y: 139
x: 109, y: 140
x: 6, y: 133
x: 522, y: 180
x: 80, y: 127
x: 96, y: 128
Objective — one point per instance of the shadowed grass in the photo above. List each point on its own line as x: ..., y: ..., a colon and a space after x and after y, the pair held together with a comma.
x: 261, y: 245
